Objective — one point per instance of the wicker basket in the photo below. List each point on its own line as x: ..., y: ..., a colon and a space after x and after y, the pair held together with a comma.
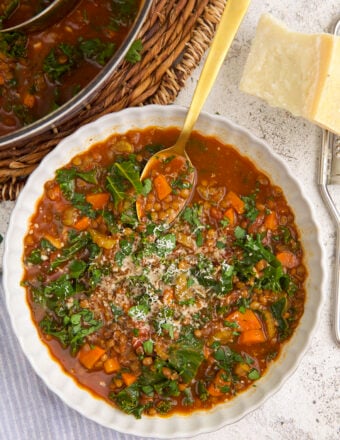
x: 175, y: 37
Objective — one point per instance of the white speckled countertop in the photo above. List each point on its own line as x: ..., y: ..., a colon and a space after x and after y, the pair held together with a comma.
x: 308, y: 405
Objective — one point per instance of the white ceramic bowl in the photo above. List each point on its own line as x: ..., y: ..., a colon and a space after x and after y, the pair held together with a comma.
x: 37, y: 353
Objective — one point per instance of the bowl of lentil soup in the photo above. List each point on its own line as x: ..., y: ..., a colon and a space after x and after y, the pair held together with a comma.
x: 143, y: 327
x: 48, y: 75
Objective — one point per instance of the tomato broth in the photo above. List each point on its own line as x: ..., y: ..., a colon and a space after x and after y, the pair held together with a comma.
x: 161, y: 318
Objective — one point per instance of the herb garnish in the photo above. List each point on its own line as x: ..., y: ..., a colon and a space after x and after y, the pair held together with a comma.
x: 134, y: 54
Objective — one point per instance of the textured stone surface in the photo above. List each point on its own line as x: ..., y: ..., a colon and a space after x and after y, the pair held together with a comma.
x: 308, y: 405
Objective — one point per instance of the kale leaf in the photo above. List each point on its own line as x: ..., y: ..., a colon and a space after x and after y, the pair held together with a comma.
x: 6, y: 9
x: 128, y: 400
x: 72, y: 329
x: 60, y: 60
x: 278, y: 309
x: 13, y: 44
x: 186, y: 355
x: 123, y: 175
x: 251, y: 212
x: 133, y: 55
x: 96, y: 50
x: 75, y: 244
x: 66, y: 179
x: 204, y: 272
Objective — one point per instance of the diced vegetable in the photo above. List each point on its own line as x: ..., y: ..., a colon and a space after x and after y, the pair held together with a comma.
x: 270, y: 221
x: 231, y: 216
x: 250, y: 326
x: 220, y: 384
x: 123, y: 146
x: 224, y: 336
x: 103, y: 241
x: 111, y: 365
x: 254, y: 336
x: 181, y: 288
x: 288, y: 259
x: 129, y: 378
x: 246, y: 321
x: 242, y: 369
x: 270, y: 323
x: 82, y: 224
x: 163, y: 189
x: 98, y: 200
x: 29, y: 100
x: 89, y: 356
x: 168, y: 296
x: 236, y: 202
x: 55, y: 241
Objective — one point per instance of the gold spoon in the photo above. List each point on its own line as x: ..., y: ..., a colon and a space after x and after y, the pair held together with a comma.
x: 48, y: 16
x: 228, y: 26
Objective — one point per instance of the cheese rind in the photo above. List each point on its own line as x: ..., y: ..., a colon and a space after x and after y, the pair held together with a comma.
x: 295, y: 71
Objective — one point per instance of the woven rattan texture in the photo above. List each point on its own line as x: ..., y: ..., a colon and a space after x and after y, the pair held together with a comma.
x: 175, y: 36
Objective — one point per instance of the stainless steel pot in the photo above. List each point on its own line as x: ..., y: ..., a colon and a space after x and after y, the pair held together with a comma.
x: 65, y: 112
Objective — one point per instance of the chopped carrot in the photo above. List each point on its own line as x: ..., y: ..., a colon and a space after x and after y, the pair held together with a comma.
x: 236, y: 202
x: 270, y: 221
x: 2, y: 80
x: 163, y: 189
x: 253, y: 336
x: 111, y: 365
x: 287, y: 259
x: 216, y: 388
x: 246, y: 321
x: 182, y: 386
x: 83, y: 223
x: 129, y: 378
x: 98, y: 200
x: 231, y: 216
x: 249, y: 325
x: 29, y: 100
x: 90, y: 356
x: 177, y: 162
x: 261, y: 264
x: 168, y: 296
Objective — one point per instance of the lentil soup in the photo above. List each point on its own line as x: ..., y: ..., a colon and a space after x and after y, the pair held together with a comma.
x: 40, y: 71
x: 155, y: 318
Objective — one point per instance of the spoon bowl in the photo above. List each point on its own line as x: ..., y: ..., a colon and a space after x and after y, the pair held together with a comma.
x: 162, y: 177
x: 47, y: 17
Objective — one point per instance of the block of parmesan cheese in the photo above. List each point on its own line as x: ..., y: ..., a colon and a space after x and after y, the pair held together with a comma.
x: 295, y: 71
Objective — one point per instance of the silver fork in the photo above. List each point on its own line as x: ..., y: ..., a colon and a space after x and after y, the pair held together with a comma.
x: 329, y: 173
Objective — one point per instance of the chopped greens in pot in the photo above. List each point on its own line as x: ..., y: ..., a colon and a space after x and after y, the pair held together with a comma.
x: 44, y: 69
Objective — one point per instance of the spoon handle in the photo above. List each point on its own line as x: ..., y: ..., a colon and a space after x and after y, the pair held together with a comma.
x: 228, y: 26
